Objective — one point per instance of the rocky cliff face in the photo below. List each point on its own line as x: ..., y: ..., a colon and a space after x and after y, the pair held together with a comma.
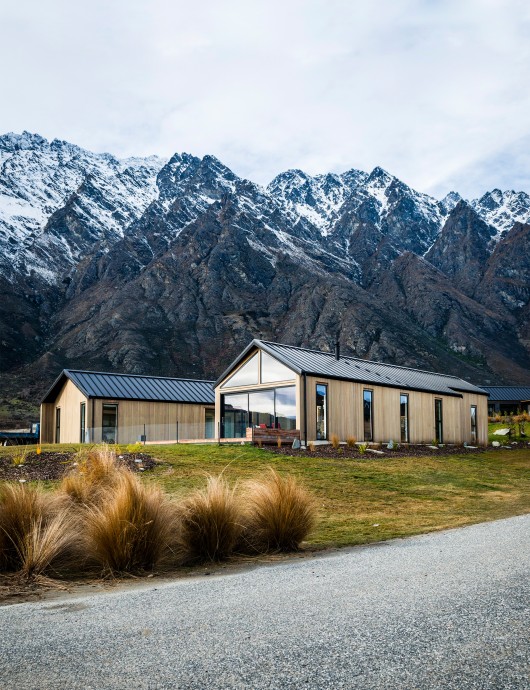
x: 172, y: 267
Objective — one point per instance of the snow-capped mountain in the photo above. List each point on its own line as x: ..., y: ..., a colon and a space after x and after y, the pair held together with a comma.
x: 170, y: 267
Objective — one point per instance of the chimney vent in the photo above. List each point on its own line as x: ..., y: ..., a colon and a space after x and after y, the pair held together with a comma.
x: 337, y: 350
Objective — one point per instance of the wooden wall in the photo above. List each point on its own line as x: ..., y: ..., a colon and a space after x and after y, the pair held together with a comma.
x: 69, y: 401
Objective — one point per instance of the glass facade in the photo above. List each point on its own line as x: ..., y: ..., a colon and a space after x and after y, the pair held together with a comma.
x: 246, y: 376
x: 272, y: 408
x: 272, y: 370
x: 322, y: 411
x: 368, y: 415
x: 474, y: 423
x: 404, y: 417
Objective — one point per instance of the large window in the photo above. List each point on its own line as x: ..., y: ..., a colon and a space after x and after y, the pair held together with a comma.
x: 474, y: 423
x: 368, y: 415
x: 109, y: 432
x: 247, y: 375
x: 273, y: 408
x: 57, y: 425
x: 82, y: 423
x: 322, y: 411
x: 272, y: 370
x: 404, y: 417
x: 209, y: 421
x: 438, y: 420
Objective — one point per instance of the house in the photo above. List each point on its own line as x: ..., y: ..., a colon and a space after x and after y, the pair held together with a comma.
x: 281, y: 387
x: 88, y: 406
x: 508, y: 399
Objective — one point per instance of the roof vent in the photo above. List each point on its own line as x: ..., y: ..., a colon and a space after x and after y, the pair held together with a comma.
x: 337, y: 350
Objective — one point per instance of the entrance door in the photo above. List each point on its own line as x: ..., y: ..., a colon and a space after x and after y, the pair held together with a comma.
x: 109, y: 432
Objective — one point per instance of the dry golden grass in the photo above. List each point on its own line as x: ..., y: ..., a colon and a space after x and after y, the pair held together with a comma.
x: 131, y: 528
x: 96, y: 471
x: 34, y: 534
x: 351, y: 441
x: 335, y: 441
x: 279, y: 514
x: 210, y: 522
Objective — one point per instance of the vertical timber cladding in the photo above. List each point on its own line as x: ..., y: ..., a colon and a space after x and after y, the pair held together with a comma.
x: 160, y: 419
x: 69, y: 400
x: 345, y: 412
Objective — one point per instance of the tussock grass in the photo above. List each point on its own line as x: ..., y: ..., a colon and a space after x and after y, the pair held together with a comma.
x: 96, y: 471
x: 210, y: 522
x: 132, y: 528
x: 279, y: 514
x: 35, y: 534
x: 335, y: 441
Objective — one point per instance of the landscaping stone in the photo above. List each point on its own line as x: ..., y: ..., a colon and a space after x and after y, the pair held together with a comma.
x: 374, y: 451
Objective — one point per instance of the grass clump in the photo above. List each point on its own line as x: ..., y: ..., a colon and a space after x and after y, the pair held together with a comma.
x: 132, y: 528
x: 95, y: 471
x: 210, y: 522
x: 335, y: 441
x: 34, y: 533
x: 279, y: 514
x: 351, y: 441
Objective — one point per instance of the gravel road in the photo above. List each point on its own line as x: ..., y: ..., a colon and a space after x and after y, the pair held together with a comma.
x: 446, y: 610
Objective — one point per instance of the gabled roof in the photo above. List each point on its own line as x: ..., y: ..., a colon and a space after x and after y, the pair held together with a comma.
x: 508, y: 393
x: 95, y: 384
x: 316, y: 363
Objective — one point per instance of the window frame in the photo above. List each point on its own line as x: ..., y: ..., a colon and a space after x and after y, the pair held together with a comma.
x: 438, y: 420
x: 407, y: 419
x: 326, y: 412
x: 371, y: 439
x: 82, y: 422
x: 474, y: 425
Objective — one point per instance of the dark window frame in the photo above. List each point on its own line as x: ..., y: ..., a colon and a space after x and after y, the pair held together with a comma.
x: 407, y: 418
x: 326, y: 412
x: 438, y: 420
x: 57, y: 425
x: 474, y: 423
x: 116, y: 426
x: 82, y: 423
x: 371, y: 392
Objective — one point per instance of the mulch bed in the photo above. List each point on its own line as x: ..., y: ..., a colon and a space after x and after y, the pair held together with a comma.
x: 401, y: 452
x: 53, y: 466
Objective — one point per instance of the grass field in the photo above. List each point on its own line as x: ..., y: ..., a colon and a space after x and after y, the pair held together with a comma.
x: 370, y: 499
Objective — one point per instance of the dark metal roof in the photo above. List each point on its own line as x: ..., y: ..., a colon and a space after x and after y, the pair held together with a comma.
x: 95, y: 384
x: 508, y: 393
x: 325, y: 364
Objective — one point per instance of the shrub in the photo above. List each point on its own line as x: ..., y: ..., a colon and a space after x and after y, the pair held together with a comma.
x: 132, y: 528
x: 34, y: 534
x: 279, y: 514
x: 362, y: 448
x: 210, y: 522
x: 311, y: 446
x: 351, y: 441
x: 20, y: 457
x: 335, y: 441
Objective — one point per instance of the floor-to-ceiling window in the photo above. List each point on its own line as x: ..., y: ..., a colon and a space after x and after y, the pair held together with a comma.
x: 368, y: 417
x: 270, y: 408
x: 322, y: 411
x: 404, y: 417
x: 82, y: 423
x: 109, y: 431
x: 438, y: 420
x: 57, y: 425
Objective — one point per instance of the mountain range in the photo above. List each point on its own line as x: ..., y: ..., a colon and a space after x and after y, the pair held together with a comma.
x: 170, y: 267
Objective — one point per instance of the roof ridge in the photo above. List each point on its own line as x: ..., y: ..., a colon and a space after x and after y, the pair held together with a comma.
x: 364, y: 361
x: 139, y: 376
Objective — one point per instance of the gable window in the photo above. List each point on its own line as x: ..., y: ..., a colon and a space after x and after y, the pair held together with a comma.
x: 82, y: 424
x: 368, y: 415
x: 474, y: 423
x: 322, y: 411
x: 272, y: 370
x: 57, y: 425
x: 404, y: 417
x: 438, y: 420
x: 247, y: 375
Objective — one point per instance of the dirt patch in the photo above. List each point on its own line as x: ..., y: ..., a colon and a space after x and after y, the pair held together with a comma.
x: 403, y: 451
x: 53, y: 466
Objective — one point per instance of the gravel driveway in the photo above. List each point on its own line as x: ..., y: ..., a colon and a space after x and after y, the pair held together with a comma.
x: 446, y: 610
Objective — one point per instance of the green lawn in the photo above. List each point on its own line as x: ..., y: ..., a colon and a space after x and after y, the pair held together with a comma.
x: 370, y: 499
x: 515, y: 436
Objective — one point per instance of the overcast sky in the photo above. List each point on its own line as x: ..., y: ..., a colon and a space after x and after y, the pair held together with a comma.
x: 437, y: 92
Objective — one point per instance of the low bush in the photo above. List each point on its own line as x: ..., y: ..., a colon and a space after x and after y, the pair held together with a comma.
x: 279, y: 514
x: 210, y: 522
x: 132, y: 528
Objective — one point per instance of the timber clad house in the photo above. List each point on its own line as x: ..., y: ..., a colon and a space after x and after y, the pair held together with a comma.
x: 91, y: 407
x: 270, y: 390
x: 274, y: 386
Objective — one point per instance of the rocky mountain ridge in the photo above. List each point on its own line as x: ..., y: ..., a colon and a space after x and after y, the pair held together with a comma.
x: 171, y: 267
